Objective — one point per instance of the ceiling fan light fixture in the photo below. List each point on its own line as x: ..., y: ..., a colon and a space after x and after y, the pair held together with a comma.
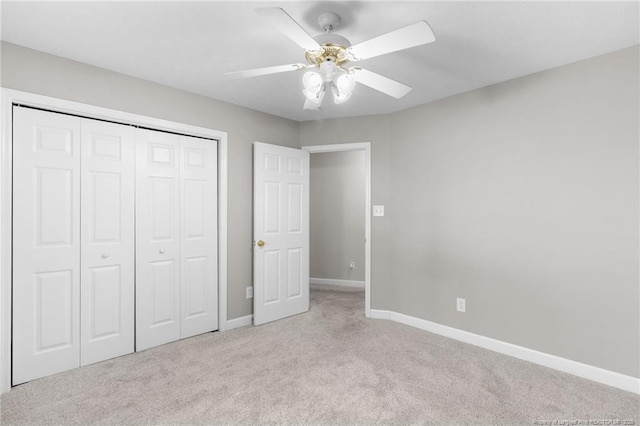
x: 342, y: 87
x: 313, y: 88
x: 345, y: 82
x: 315, y: 97
x: 312, y: 82
x: 328, y: 69
x: 339, y: 97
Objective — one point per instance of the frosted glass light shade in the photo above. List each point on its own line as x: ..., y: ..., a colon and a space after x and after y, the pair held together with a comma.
x: 312, y: 81
x: 315, y: 97
x: 345, y: 82
x: 342, y: 87
x: 338, y: 97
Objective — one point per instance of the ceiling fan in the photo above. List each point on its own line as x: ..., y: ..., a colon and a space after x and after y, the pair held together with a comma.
x: 329, y: 54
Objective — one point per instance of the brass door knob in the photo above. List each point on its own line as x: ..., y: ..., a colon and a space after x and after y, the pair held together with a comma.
x: 260, y: 243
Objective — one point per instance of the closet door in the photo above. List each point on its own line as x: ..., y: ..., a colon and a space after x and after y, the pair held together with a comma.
x: 199, y: 236
x: 46, y: 244
x: 107, y: 264
x: 157, y: 238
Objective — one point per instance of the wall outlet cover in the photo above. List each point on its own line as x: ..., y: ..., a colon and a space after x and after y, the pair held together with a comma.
x: 378, y: 210
x: 249, y: 292
x: 461, y: 304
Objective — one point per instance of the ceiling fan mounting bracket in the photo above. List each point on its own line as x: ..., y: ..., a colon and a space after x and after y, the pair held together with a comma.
x: 328, y: 21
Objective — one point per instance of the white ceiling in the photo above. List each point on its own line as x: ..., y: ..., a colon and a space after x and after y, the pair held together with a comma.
x: 190, y: 45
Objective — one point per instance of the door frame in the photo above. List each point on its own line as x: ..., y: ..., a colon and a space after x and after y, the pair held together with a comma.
x: 366, y: 147
x: 11, y: 97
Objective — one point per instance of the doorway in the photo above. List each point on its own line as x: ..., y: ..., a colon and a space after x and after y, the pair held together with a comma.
x: 334, y: 214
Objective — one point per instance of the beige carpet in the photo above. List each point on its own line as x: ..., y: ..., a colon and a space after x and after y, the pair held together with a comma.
x: 328, y: 366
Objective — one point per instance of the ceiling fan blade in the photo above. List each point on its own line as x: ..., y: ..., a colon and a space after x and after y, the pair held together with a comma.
x: 404, y: 38
x: 289, y: 27
x: 265, y: 71
x: 381, y: 83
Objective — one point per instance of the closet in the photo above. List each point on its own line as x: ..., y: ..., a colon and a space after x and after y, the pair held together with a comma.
x: 114, y: 240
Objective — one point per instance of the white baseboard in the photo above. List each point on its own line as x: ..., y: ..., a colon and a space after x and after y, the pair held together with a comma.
x: 597, y: 374
x: 337, y: 283
x: 239, y: 322
x: 380, y: 314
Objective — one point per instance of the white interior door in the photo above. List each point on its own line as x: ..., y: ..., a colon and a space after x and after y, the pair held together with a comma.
x: 46, y: 244
x: 157, y: 238
x: 280, y: 231
x: 199, y: 236
x: 107, y: 263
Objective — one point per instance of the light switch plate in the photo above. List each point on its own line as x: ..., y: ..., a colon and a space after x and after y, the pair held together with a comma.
x: 378, y: 210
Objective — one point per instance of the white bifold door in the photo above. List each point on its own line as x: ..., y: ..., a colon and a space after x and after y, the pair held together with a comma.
x: 176, y: 237
x: 114, y: 240
x: 66, y: 168
x: 107, y: 241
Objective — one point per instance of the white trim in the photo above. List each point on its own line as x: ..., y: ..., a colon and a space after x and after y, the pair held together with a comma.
x: 5, y: 245
x: 10, y: 97
x: 244, y: 321
x: 366, y: 147
x: 337, y: 147
x: 337, y: 283
x: 380, y: 314
x: 223, y: 172
x: 597, y: 374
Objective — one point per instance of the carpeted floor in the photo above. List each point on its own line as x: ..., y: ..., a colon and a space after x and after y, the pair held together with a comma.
x: 328, y: 366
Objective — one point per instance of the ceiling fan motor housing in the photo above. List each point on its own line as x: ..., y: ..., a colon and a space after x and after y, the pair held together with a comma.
x: 332, y: 46
x: 328, y: 53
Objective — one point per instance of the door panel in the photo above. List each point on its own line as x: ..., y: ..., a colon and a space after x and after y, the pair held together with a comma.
x: 104, y: 293
x: 195, y: 294
x: 294, y: 281
x: 271, y: 275
x: 157, y: 238
x: 163, y: 295
x: 108, y: 252
x: 194, y: 207
x: 46, y: 244
x: 281, y: 220
x: 199, y: 236
x: 163, y: 204
x: 271, y: 208
x: 295, y: 209
x: 106, y: 190
x: 54, y: 310
x: 54, y: 206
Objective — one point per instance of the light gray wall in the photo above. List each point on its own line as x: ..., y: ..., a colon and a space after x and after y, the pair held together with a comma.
x: 337, y: 214
x: 37, y: 72
x: 522, y: 198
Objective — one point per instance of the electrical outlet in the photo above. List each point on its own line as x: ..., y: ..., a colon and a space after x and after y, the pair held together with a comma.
x: 249, y: 292
x: 378, y: 210
x: 461, y: 304
x: 352, y: 265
